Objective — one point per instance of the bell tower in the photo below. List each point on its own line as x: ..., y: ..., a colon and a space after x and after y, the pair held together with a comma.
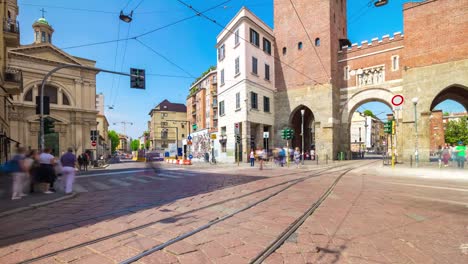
x: 42, y: 31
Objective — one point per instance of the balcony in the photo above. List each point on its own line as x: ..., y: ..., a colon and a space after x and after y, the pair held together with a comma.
x: 13, y: 81
x: 12, y: 30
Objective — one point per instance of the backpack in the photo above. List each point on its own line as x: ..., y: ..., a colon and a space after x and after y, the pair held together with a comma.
x: 11, y: 165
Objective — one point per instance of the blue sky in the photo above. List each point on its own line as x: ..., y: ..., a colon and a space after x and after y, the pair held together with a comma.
x: 189, y: 45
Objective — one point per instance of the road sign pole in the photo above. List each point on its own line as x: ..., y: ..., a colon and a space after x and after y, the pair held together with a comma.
x: 287, y: 152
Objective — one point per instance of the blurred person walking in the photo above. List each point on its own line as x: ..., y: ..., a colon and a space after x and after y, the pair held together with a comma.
x: 46, y: 172
x: 297, y: 157
x: 18, y: 171
x: 31, y: 164
x: 460, y: 151
x: 68, y: 161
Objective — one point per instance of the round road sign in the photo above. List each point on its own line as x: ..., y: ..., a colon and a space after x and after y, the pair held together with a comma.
x: 93, y: 143
x: 189, y: 137
x: 397, y: 100
x: 190, y: 156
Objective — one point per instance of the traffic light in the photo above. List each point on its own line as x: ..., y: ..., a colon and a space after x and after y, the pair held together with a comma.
x: 49, y: 126
x: 94, y: 135
x: 194, y: 127
x: 46, y: 105
x: 290, y: 133
x: 388, y: 127
x: 283, y: 134
x: 238, y: 139
x: 137, y: 78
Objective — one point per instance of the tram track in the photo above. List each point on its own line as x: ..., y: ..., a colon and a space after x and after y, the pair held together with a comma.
x: 289, y: 183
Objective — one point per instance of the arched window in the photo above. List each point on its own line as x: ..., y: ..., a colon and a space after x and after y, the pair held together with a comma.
x: 317, y: 42
x: 43, y: 36
x: 28, y: 96
x: 38, y: 36
x: 65, y: 100
x: 51, y: 91
x: 299, y: 45
x: 284, y: 50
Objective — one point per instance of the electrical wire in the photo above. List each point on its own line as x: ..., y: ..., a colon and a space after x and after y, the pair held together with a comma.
x: 308, y: 36
x: 138, y: 5
x: 150, y: 31
x: 240, y: 37
x: 164, y: 57
x: 71, y: 8
x: 129, y: 1
x: 115, y: 62
x: 121, y: 66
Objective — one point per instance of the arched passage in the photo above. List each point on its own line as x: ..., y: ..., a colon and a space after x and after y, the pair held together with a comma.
x: 456, y: 92
x: 296, y: 121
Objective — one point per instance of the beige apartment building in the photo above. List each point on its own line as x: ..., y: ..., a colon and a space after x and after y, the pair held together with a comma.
x: 72, y: 94
x: 203, y: 114
x: 10, y: 78
x: 168, y: 125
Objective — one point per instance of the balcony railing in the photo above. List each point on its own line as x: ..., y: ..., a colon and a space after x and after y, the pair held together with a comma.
x: 13, y: 81
x: 11, y: 26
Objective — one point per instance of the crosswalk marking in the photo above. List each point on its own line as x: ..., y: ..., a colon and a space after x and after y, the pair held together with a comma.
x: 169, y: 175
x: 154, y: 177
x: 78, y: 188
x: 137, y: 179
x: 100, y: 185
x: 119, y: 182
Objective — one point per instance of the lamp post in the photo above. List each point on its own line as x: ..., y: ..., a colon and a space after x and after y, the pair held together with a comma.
x: 360, y: 142
x: 416, y: 154
x: 302, y: 133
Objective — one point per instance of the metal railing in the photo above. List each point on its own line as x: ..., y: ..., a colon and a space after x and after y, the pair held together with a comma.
x: 11, y: 26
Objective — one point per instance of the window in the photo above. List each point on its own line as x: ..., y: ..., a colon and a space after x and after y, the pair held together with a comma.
x: 183, y: 135
x: 52, y: 93
x: 38, y: 36
x: 266, y: 104
x: 43, y: 36
x: 346, y: 73
x: 236, y: 37
x: 284, y: 50
x: 254, y: 65
x: 223, y: 139
x: 222, y: 76
x: 164, y: 144
x: 164, y: 133
x: 254, y: 100
x: 163, y: 123
x: 221, y: 108
x: 163, y: 115
x: 267, y: 72
x: 65, y: 100
x: 266, y: 46
x: 254, y: 38
x: 49, y: 38
x: 299, y: 45
x: 221, y: 53
x: 395, y: 63
x: 317, y: 42
x: 237, y: 100
x: 28, y: 96
x: 237, y: 66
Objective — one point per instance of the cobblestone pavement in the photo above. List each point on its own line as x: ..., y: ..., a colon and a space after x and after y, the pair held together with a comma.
x: 367, y: 219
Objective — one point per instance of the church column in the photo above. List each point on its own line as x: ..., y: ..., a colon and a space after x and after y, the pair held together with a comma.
x: 78, y: 93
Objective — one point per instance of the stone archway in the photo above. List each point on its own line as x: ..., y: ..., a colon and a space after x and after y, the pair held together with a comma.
x: 295, y: 122
x: 455, y: 92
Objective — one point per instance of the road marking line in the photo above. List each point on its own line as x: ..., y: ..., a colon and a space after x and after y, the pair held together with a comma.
x: 169, y: 176
x: 111, y: 173
x: 119, y: 182
x: 432, y: 187
x: 154, y: 177
x: 78, y: 188
x: 136, y: 179
x: 100, y: 185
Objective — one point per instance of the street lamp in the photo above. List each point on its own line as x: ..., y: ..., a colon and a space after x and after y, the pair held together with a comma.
x: 416, y: 154
x: 302, y: 133
x: 126, y: 18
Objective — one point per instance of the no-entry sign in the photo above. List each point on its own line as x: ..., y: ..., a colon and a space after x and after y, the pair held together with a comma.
x: 397, y: 100
x: 93, y: 143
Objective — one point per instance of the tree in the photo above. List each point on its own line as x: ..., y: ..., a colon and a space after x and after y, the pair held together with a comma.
x: 135, y: 144
x: 369, y: 113
x: 457, y: 130
x: 114, y: 137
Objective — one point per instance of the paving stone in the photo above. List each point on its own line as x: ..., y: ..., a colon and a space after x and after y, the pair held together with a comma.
x: 121, y: 253
x: 213, y: 250
x: 195, y: 257
x: 74, y: 254
x: 180, y: 247
x: 142, y: 243
x: 159, y: 257
x: 94, y: 259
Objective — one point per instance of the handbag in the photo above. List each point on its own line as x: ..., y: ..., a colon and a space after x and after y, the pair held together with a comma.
x: 10, y: 166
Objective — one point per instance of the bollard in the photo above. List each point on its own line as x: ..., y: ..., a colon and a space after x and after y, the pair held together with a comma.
x: 316, y: 158
x: 411, y: 161
x: 326, y: 159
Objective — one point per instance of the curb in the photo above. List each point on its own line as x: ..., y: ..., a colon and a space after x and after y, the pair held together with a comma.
x: 36, y: 205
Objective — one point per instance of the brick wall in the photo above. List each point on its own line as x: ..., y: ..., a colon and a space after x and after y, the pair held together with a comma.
x: 436, y: 128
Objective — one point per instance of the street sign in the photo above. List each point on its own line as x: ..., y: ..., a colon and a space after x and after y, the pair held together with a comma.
x: 236, y: 128
x: 190, y: 156
x: 189, y: 137
x: 93, y: 143
x: 213, y: 136
x: 266, y: 134
x: 397, y: 100
x: 397, y: 108
x: 189, y: 142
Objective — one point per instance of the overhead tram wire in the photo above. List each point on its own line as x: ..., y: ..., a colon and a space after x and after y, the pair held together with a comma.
x: 165, y: 58
x: 121, y: 66
x: 129, y: 1
x: 308, y: 36
x: 71, y: 8
x: 240, y: 37
x: 115, y: 62
x: 150, y: 31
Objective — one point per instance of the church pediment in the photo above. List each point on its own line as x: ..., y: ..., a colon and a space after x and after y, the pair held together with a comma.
x: 46, y: 52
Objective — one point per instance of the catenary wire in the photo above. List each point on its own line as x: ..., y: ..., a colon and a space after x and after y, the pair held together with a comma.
x: 115, y: 63
x: 150, y: 31
x: 121, y: 66
x: 71, y: 8
x: 240, y: 37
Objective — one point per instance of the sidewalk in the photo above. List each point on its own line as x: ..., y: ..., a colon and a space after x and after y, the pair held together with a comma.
x: 428, y: 171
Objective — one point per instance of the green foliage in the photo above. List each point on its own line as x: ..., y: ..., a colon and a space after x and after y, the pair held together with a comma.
x: 369, y: 113
x: 114, y: 137
x: 147, y: 145
x: 446, y: 113
x: 456, y: 131
x: 135, y: 144
x: 203, y: 75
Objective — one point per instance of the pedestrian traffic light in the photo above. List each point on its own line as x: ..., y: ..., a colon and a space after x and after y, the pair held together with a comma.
x: 137, y: 78
x: 46, y: 105
x: 49, y: 125
x: 388, y: 127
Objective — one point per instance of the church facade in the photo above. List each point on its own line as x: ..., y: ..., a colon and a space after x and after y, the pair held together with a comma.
x: 71, y: 92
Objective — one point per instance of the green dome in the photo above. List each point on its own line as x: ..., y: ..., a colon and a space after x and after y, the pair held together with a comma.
x: 42, y: 21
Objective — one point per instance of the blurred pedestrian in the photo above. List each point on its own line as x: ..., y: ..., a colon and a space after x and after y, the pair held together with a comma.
x: 18, y: 172
x: 85, y: 159
x: 31, y: 164
x: 252, y: 158
x: 297, y: 157
x: 460, y: 151
x: 445, y: 155
x: 80, y: 162
x: 46, y: 172
x: 282, y: 156
x: 68, y: 161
